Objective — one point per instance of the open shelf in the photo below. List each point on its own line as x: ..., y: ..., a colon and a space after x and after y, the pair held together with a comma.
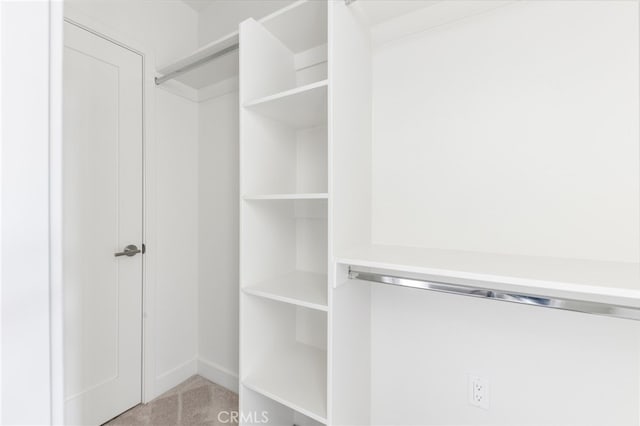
x: 300, y: 26
x: 278, y: 414
x: 538, y: 275
x: 294, y: 376
x: 283, y: 236
x: 300, y: 288
x: 220, y: 69
x: 285, y: 164
x: 301, y: 107
x: 314, y: 196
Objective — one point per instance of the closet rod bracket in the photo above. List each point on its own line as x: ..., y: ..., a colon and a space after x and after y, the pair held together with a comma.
x: 353, y: 275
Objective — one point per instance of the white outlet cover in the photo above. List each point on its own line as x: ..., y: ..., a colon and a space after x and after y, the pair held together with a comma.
x: 478, y: 391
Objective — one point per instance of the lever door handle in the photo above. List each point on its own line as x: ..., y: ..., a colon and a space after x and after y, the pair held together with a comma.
x: 130, y: 250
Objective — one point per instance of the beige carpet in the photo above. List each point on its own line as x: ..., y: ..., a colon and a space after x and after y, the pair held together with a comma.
x: 195, y: 401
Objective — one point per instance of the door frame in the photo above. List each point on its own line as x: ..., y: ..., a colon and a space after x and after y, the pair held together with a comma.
x: 149, y: 155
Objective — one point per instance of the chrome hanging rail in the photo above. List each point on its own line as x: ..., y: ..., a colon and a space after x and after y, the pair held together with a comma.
x: 196, y: 64
x: 587, y: 307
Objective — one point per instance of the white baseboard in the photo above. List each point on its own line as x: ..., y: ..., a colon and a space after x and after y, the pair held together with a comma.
x: 175, y: 376
x: 218, y: 374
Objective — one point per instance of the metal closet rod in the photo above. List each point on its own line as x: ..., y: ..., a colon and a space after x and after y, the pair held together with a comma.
x: 196, y: 64
x: 202, y: 61
x: 574, y: 305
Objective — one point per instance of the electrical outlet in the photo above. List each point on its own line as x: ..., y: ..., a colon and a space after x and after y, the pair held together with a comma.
x: 478, y: 392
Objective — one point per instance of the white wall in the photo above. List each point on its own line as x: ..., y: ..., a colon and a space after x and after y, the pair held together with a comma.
x: 544, y: 367
x: 218, y: 239
x: 502, y: 137
x: 169, y: 29
x: 25, y: 368
x: 223, y: 16
x: 515, y: 131
x: 176, y: 297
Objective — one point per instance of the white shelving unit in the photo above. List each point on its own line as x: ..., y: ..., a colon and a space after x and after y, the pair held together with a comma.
x: 284, y: 303
x: 428, y: 183
x: 341, y: 166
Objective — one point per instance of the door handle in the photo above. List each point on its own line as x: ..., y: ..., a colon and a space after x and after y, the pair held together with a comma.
x: 130, y: 250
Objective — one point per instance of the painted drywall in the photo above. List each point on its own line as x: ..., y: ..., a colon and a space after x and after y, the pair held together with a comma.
x: 543, y: 366
x: 177, y: 240
x: 504, y: 133
x: 502, y: 137
x: 223, y: 16
x: 26, y: 358
x: 218, y: 239
x: 169, y: 28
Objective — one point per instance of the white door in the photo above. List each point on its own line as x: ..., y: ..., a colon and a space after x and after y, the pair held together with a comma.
x: 102, y: 206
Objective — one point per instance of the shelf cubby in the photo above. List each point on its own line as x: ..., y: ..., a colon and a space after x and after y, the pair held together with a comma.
x: 301, y: 107
x: 288, y: 54
x: 283, y: 163
x: 269, y: 412
x: 282, y: 237
x: 302, y: 288
x: 284, y: 355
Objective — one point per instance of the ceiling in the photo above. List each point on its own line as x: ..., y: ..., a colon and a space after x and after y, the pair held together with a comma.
x: 380, y: 11
x: 199, y: 5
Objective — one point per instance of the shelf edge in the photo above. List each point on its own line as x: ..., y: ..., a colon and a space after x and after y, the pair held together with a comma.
x: 275, y: 197
x: 284, y: 299
x: 247, y: 383
x: 290, y: 92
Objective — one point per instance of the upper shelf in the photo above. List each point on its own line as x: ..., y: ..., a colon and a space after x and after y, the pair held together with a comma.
x: 607, y: 282
x: 211, y: 72
x: 301, y: 107
x: 300, y: 26
x: 395, y: 19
